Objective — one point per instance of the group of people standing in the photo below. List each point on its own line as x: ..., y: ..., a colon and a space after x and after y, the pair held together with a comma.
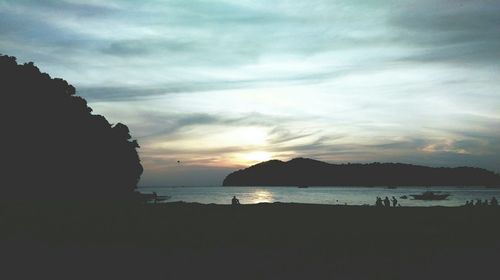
x: 479, y: 202
x: 386, y: 202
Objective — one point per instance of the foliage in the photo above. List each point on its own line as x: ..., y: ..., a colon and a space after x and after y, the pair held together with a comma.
x: 53, y: 145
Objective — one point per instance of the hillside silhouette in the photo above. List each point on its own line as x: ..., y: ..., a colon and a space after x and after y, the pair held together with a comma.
x: 54, y: 146
x: 309, y: 172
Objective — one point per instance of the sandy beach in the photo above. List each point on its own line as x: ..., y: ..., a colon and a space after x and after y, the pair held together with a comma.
x: 263, y: 241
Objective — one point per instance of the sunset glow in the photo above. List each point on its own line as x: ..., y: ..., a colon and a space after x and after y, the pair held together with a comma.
x: 261, y: 196
x: 255, y: 157
x: 223, y: 85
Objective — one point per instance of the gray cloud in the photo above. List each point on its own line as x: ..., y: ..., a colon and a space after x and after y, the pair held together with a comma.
x: 281, y: 135
x: 64, y: 7
x: 451, y: 31
x: 123, y: 93
x: 75, y: 8
x: 31, y: 20
x: 165, y: 124
x: 29, y: 29
x: 127, y: 48
x: 95, y: 94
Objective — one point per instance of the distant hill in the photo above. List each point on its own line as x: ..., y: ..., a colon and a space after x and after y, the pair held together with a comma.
x: 309, y: 172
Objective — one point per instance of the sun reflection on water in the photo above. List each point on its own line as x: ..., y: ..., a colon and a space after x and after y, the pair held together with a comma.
x: 260, y: 196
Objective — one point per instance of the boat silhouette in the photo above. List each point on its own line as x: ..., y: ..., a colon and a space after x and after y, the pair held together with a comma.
x: 428, y: 195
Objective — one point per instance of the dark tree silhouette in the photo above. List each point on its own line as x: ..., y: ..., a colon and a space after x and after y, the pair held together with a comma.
x: 52, y: 144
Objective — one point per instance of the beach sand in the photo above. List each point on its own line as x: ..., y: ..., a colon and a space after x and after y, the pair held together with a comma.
x: 264, y: 241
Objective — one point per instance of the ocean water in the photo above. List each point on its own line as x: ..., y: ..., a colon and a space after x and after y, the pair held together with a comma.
x: 320, y: 195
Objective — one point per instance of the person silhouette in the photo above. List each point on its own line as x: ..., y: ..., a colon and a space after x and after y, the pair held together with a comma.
x: 387, y: 203
x: 235, y: 201
x: 378, y: 203
x: 494, y: 201
x: 394, y: 202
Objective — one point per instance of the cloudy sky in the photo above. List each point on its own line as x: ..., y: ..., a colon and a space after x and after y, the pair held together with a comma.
x: 220, y: 85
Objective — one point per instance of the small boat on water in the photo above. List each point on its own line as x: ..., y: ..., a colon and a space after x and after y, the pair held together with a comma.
x: 428, y: 195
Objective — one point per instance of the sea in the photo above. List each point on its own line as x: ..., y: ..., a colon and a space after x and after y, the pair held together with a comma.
x: 322, y: 195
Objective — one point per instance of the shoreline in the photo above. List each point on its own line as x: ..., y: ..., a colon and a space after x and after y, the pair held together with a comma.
x: 310, y: 204
x: 197, y: 204
x: 327, y: 195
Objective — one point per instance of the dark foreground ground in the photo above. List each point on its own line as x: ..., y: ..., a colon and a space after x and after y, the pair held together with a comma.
x: 266, y: 241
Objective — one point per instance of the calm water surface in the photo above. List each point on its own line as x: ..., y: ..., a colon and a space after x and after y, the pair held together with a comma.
x: 320, y: 195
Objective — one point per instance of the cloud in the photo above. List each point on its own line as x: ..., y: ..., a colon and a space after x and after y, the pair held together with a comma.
x: 97, y: 94
x: 165, y: 124
x: 211, y: 81
x: 78, y: 8
x: 185, y: 40
x: 279, y: 135
x: 127, y: 48
x: 136, y: 92
x: 38, y: 22
x: 64, y: 7
x: 451, y: 31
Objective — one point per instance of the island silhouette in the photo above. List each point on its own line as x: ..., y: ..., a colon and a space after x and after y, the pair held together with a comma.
x: 310, y: 172
x: 53, y: 146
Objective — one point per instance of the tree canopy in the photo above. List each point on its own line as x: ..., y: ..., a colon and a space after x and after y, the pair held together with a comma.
x: 53, y: 144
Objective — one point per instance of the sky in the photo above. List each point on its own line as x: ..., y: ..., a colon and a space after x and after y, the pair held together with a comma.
x: 222, y: 85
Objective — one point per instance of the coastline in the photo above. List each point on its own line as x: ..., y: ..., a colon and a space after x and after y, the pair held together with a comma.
x: 322, y: 195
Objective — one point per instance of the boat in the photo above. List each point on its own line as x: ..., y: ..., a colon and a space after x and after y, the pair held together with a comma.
x: 428, y: 195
